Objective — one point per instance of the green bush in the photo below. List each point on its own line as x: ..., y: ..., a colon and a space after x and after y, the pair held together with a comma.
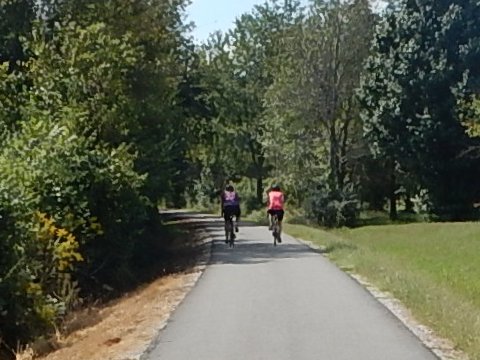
x: 334, y: 208
x: 91, y: 193
x: 71, y: 202
x: 258, y: 216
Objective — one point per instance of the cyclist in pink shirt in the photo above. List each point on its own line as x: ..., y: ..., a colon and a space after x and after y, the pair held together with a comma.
x: 276, y: 201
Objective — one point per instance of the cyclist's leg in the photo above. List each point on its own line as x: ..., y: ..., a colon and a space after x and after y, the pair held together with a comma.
x: 231, y: 227
x: 226, y: 213
x: 270, y: 219
x: 238, y: 213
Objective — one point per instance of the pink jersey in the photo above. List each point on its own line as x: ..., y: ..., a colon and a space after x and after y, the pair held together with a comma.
x: 276, y: 200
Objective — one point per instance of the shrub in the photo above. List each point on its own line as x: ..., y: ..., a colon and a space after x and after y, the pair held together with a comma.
x: 334, y: 208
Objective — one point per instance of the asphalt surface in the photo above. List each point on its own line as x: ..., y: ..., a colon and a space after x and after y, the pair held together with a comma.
x: 258, y: 301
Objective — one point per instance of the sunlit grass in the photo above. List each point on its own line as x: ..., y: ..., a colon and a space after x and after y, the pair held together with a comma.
x: 434, y: 269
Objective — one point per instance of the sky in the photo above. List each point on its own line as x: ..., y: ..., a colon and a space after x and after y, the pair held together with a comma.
x: 212, y: 15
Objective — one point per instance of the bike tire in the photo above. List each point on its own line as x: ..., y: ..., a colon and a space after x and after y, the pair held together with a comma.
x: 275, y: 231
x: 230, y: 234
x: 227, y: 233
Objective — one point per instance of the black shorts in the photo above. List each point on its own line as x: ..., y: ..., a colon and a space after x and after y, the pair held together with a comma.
x: 279, y: 213
x: 231, y: 210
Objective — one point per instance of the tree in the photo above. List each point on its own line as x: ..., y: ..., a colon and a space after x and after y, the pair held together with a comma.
x: 420, y: 70
x: 311, y: 105
x: 240, y: 72
x: 95, y: 142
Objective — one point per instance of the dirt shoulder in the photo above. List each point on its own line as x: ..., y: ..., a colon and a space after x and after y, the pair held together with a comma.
x: 124, y: 328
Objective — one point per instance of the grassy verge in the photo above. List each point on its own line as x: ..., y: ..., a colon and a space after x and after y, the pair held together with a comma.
x: 434, y: 269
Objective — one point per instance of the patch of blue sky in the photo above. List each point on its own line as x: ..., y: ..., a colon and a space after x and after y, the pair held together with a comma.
x: 212, y: 15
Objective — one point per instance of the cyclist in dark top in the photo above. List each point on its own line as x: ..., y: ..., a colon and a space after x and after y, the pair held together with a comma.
x: 230, y: 204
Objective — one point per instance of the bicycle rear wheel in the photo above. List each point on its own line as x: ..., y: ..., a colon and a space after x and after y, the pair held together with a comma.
x: 230, y: 235
x: 275, y: 231
x: 232, y: 238
x: 227, y: 231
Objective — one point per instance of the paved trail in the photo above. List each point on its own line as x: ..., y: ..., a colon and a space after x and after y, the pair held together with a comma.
x: 260, y: 302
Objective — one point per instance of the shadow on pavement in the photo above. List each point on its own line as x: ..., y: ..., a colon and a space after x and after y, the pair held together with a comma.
x: 249, y: 252
x: 255, y: 250
x: 207, y: 221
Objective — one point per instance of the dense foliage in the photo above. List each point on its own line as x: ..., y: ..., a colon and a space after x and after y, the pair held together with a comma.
x: 424, y: 64
x: 89, y: 148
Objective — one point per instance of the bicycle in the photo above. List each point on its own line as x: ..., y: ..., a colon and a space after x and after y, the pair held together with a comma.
x: 229, y: 231
x: 275, y: 230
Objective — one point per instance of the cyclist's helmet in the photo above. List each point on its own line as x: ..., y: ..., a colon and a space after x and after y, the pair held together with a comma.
x: 276, y: 187
x: 229, y: 188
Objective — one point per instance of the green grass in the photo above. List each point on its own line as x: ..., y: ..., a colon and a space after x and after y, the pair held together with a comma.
x: 433, y: 268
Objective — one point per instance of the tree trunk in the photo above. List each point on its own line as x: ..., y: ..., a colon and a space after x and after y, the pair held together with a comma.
x: 409, y: 204
x: 393, y: 195
x: 334, y: 177
x: 258, y: 160
x: 342, y: 166
x: 260, y: 190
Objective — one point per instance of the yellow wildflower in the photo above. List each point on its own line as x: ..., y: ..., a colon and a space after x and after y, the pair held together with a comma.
x: 62, y: 265
x: 33, y: 288
x: 42, y: 216
x: 52, y: 230
x: 78, y: 256
x: 62, y: 232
